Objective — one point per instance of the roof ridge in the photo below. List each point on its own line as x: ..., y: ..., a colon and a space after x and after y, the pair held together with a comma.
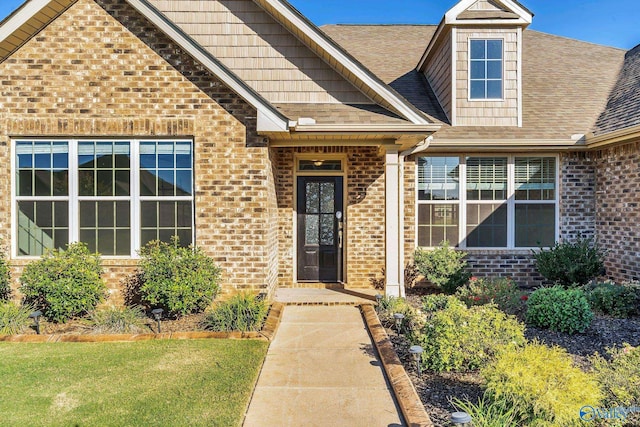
x: 575, y: 39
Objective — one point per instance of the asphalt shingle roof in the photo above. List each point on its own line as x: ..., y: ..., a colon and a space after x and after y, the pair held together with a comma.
x: 566, y: 82
x: 623, y: 106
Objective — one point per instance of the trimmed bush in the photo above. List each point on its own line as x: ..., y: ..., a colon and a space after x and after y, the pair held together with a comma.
x: 613, y: 300
x: 178, y: 279
x: 64, y: 283
x: 559, y: 309
x: 571, y: 263
x: 542, y: 383
x: 14, y: 318
x: 503, y: 292
x: 5, y: 278
x: 242, y: 312
x: 443, y: 266
x: 118, y: 320
x: 619, y: 377
x: 458, y: 338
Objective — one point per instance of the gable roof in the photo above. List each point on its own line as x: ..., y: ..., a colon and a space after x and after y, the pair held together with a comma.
x: 565, y: 82
x: 33, y: 15
x: 623, y: 105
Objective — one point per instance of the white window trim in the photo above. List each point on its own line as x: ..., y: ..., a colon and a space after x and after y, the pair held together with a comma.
x: 74, y: 198
x: 469, y: 98
x: 511, y: 202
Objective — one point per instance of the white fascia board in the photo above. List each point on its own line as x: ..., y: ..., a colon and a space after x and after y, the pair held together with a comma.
x: 267, y: 115
x: 348, y: 62
x: 22, y: 16
x: 451, y: 17
x: 423, y: 60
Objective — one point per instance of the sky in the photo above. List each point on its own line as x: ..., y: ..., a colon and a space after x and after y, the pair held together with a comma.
x: 607, y: 22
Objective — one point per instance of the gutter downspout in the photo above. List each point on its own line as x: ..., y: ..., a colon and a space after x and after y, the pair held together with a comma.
x: 424, y: 145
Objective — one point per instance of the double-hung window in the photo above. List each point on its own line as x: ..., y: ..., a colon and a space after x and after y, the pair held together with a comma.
x: 113, y: 195
x: 487, y: 201
x: 485, y: 69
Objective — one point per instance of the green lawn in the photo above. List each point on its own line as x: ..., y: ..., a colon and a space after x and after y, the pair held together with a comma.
x: 153, y: 383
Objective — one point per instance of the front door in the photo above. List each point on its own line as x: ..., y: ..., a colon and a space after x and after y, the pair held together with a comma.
x: 320, y: 219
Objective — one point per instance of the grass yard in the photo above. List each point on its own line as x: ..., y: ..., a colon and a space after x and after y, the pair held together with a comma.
x: 153, y: 383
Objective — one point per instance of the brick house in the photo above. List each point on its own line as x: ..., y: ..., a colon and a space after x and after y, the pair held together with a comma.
x: 297, y: 156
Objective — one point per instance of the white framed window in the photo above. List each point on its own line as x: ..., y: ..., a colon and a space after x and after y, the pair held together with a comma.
x: 114, y: 195
x: 487, y: 202
x: 486, y: 69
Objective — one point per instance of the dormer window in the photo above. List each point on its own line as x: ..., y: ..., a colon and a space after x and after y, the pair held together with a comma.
x: 486, y: 65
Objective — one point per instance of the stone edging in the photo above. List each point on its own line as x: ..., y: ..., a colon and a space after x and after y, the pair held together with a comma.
x: 328, y: 303
x: 266, y: 334
x: 410, y: 404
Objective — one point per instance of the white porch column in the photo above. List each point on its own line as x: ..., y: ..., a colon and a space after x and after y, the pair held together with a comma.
x: 394, y: 286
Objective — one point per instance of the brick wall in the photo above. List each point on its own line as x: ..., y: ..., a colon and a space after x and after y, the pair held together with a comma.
x: 618, y: 215
x: 101, y: 69
x: 578, y: 196
x: 365, y: 214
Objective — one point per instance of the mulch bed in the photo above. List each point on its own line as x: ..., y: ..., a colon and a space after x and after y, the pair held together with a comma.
x: 436, y: 390
x: 188, y: 323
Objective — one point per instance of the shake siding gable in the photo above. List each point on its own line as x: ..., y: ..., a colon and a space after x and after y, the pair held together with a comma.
x: 487, y: 113
x: 438, y: 73
x: 260, y: 51
x: 102, y: 70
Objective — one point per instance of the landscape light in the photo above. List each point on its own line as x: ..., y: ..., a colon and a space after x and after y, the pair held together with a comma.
x: 157, y: 314
x: 398, y: 318
x: 378, y: 300
x: 36, y: 319
x: 461, y: 419
x: 416, y: 352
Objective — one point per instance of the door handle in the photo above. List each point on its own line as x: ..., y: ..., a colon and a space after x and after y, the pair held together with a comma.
x: 340, y: 239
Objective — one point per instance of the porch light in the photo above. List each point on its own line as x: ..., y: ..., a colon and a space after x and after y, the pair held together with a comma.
x: 157, y: 314
x: 416, y: 352
x: 398, y: 317
x: 36, y: 320
x: 318, y: 163
x: 460, y: 419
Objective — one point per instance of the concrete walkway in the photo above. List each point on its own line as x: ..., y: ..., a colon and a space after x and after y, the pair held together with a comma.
x: 322, y: 370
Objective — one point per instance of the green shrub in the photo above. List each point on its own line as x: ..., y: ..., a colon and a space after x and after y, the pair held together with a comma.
x: 118, y: 320
x: 542, y: 383
x: 443, y: 266
x: 503, y: 292
x: 571, y: 263
x: 619, y: 377
x: 437, y: 302
x: 559, y: 309
x: 242, y: 312
x: 14, y: 318
x: 180, y: 280
x: 458, y: 338
x: 614, y: 300
x: 64, y: 283
x: 5, y: 278
x: 487, y: 413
